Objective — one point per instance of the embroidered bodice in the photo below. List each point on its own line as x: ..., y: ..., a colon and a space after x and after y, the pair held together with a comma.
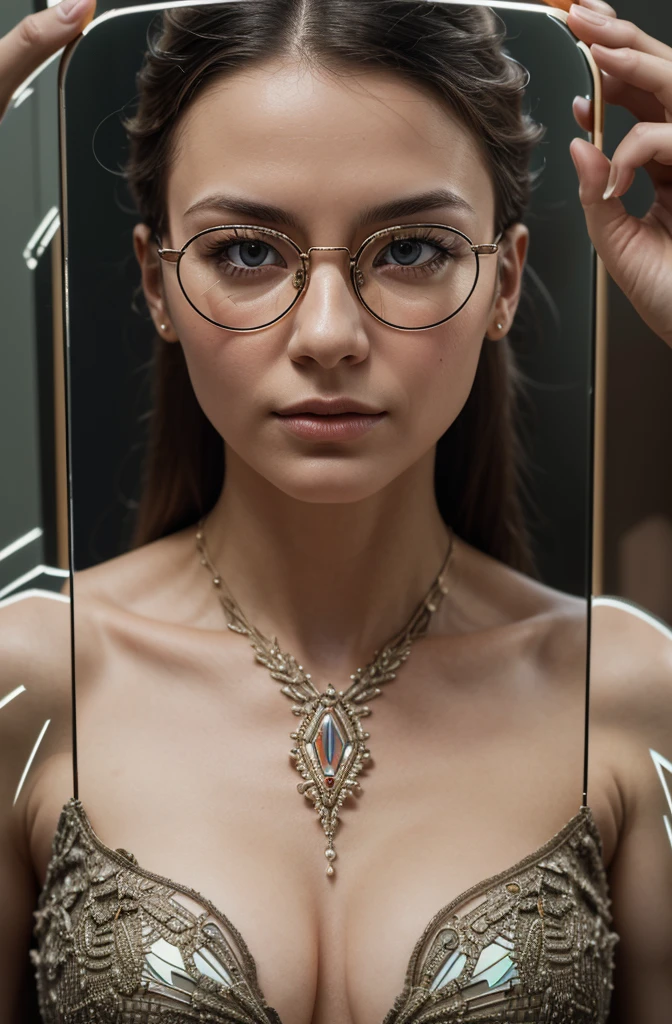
x: 117, y: 943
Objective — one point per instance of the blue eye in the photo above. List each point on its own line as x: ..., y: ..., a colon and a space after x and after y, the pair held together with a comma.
x: 407, y: 251
x: 252, y: 253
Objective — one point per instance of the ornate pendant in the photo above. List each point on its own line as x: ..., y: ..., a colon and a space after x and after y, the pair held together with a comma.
x: 330, y: 753
x: 330, y: 749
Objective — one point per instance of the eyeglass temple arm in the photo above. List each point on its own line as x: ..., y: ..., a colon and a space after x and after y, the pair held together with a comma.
x: 169, y: 255
x: 489, y: 248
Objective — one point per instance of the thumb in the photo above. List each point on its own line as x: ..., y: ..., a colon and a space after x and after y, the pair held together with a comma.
x: 36, y: 38
x: 602, y: 215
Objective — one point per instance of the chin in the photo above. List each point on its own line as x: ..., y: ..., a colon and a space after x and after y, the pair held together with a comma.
x: 338, y: 483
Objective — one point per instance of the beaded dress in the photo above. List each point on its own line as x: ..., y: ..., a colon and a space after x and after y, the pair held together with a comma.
x: 117, y: 943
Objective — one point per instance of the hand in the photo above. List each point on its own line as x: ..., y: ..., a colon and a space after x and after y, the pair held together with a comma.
x: 637, y: 74
x: 36, y: 38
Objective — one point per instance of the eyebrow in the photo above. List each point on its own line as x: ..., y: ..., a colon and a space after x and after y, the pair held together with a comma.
x: 404, y: 206
x: 407, y: 206
x: 244, y: 207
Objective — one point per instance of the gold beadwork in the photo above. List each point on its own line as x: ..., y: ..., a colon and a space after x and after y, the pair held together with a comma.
x: 99, y: 915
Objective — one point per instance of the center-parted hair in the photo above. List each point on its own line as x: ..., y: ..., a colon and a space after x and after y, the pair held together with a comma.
x: 458, y: 53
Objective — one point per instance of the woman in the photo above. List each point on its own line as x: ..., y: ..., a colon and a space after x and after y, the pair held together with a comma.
x: 328, y: 531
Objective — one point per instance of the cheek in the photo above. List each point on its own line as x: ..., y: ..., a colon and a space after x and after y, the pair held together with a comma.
x: 438, y: 375
x: 224, y: 368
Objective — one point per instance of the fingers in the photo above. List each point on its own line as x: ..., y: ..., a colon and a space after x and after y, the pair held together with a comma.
x: 593, y: 26
x: 597, y: 5
x: 614, y: 33
x: 583, y: 112
x: 642, y: 105
x: 610, y: 227
x: 643, y: 70
x: 645, y: 144
x: 36, y: 38
x: 593, y: 170
x: 639, y: 102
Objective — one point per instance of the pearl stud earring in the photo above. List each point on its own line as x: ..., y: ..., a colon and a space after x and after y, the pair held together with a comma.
x: 164, y: 327
x: 500, y: 326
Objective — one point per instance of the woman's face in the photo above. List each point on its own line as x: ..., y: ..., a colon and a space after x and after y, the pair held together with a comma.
x: 325, y: 151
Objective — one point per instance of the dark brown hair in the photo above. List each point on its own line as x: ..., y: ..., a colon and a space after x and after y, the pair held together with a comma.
x: 455, y: 51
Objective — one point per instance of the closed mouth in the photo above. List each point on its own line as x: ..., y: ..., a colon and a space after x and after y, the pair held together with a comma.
x: 328, y: 408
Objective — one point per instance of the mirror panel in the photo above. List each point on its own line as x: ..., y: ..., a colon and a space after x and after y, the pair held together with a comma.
x: 169, y: 747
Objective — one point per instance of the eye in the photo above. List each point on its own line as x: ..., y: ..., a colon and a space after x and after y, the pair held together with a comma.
x: 251, y: 253
x: 408, y: 252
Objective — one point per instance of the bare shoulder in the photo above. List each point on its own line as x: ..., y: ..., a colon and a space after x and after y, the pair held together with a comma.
x: 36, y: 641
x: 631, y: 709
x: 35, y: 688
x: 497, y: 594
x: 35, y: 629
x: 631, y: 670
x: 148, y: 581
x: 631, y: 744
x: 550, y: 624
x: 34, y: 649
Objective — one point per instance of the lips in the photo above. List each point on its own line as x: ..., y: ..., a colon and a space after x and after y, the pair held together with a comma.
x: 330, y: 407
x: 338, y: 419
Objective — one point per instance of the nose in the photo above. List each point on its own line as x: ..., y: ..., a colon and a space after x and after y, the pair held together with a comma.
x: 328, y: 325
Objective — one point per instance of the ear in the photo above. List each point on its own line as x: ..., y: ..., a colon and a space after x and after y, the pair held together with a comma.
x: 144, y: 243
x: 511, y: 263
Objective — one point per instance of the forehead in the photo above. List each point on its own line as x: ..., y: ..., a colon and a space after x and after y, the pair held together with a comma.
x: 323, y: 147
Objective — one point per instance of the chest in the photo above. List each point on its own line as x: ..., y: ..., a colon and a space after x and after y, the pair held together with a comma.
x: 195, y: 779
x: 528, y: 939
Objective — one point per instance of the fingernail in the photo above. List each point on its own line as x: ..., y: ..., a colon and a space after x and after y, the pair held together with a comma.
x: 575, y: 160
x: 70, y: 10
x: 591, y: 17
x: 599, y: 5
x: 611, y: 183
x: 600, y: 51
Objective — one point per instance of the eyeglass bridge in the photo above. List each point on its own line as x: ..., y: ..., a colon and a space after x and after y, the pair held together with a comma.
x: 299, y: 278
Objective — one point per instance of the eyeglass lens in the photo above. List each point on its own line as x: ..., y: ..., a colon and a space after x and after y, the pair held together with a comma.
x: 247, y: 277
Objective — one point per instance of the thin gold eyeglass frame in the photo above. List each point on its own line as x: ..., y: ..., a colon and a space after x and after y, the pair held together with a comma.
x: 302, y: 277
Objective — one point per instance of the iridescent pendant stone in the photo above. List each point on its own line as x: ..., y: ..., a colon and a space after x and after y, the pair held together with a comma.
x: 328, y: 747
x: 330, y: 753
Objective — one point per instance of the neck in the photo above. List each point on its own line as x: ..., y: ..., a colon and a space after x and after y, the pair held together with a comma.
x: 332, y: 581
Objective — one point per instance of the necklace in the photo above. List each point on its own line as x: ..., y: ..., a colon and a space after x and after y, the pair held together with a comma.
x: 330, y: 749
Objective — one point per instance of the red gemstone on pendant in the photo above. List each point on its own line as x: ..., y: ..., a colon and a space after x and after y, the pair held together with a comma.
x: 329, y: 781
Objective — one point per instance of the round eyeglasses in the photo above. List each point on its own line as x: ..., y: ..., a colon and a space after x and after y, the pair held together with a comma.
x: 409, y: 276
